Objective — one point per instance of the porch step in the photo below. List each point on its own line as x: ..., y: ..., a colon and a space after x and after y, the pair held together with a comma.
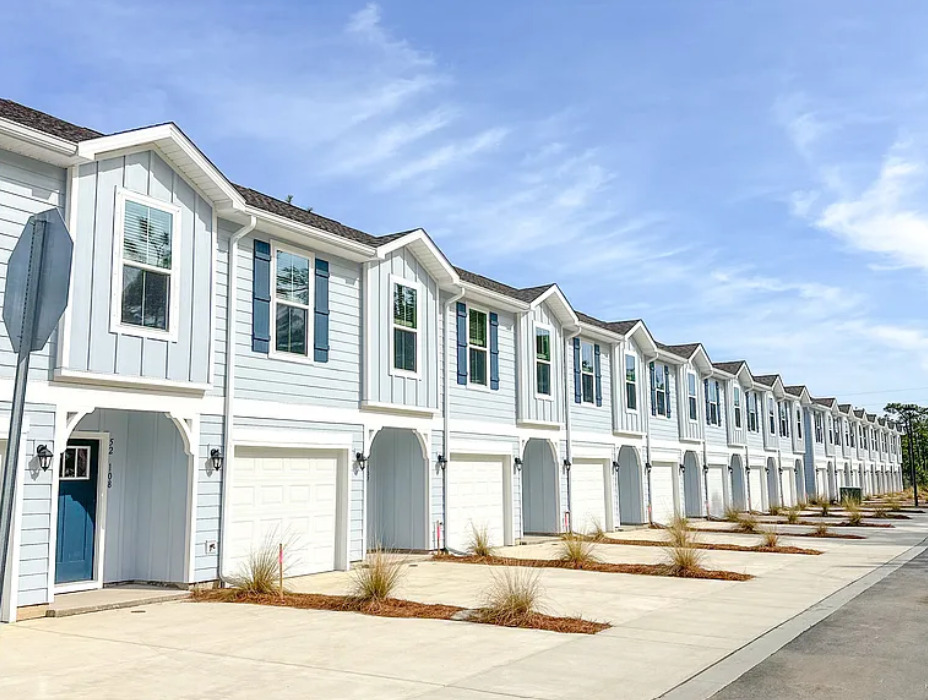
x: 115, y: 605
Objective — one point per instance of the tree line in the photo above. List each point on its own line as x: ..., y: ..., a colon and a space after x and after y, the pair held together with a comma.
x: 914, y: 422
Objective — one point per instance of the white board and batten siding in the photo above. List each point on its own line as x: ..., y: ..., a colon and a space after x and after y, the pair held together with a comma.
x: 625, y: 419
x: 737, y: 435
x: 690, y: 429
x: 262, y: 377
x: 532, y: 406
x: 386, y: 386
x: 93, y: 347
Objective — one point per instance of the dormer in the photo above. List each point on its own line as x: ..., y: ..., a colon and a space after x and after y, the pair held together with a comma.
x: 738, y: 380
x: 631, y: 386
x: 695, y: 371
x: 799, y: 399
x: 771, y: 388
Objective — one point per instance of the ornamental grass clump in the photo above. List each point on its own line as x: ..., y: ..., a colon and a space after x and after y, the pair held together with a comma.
x: 261, y: 572
x: 893, y: 503
x: 771, y: 539
x: 377, y: 578
x: 479, y: 544
x: 683, y: 561
x: 732, y: 514
x: 596, y: 531
x: 679, y: 532
x: 821, y: 529
x: 512, y: 597
x: 747, y: 523
x: 577, y: 551
x: 854, y: 515
x: 792, y: 515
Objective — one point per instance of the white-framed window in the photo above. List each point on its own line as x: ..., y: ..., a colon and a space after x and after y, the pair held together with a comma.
x: 631, y: 383
x: 587, y: 372
x: 819, y: 428
x: 771, y: 416
x: 478, y: 347
x: 146, y: 267
x: 542, y: 361
x: 799, y: 423
x: 831, y: 430
x: 691, y: 399
x: 75, y: 464
x: 405, y: 336
x: 784, y: 419
x: 714, y: 415
x: 753, y: 412
x: 662, y: 390
x: 851, y: 436
x: 736, y: 400
x: 291, y: 302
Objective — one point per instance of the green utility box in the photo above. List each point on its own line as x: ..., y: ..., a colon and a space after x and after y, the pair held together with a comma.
x: 850, y: 493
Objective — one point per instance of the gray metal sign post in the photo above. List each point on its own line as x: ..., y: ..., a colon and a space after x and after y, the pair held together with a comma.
x: 35, y: 296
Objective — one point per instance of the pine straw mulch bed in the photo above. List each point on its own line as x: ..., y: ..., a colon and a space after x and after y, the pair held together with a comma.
x: 830, y: 535
x: 779, y: 549
x: 600, y: 567
x: 394, y: 607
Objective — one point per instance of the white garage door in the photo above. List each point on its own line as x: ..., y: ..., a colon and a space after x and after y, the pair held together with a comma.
x: 716, y: 479
x: 588, y: 495
x: 821, y: 483
x: 288, y: 496
x: 758, y: 502
x: 475, y: 500
x: 662, y: 488
x: 787, y: 482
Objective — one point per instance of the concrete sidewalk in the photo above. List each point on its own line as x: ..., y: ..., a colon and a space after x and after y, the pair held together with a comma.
x: 665, y: 632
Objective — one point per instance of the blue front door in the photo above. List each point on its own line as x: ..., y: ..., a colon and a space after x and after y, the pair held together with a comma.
x: 77, y: 511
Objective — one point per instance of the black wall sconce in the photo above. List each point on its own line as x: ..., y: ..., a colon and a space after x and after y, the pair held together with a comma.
x: 442, y: 462
x: 361, y: 460
x: 215, y: 458
x: 518, y: 462
x: 567, y: 465
x: 44, y: 455
x: 615, y: 467
x: 705, y: 468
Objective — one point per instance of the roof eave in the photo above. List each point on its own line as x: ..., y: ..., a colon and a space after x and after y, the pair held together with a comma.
x: 434, y: 261
x: 27, y: 141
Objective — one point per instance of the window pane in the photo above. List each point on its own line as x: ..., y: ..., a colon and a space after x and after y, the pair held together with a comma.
x: 630, y: 368
x: 147, y: 235
x: 692, y: 402
x: 292, y: 277
x: 586, y: 357
x: 145, y: 298
x: 631, y: 397
x: 543, y: 378
x: 404, y: 350
x: 404, y: 306
x: 661, y: 407
x: 291, y: 329
x: 542, y: 344
x: 587, y: 385
x: 478, y: 366
x: 478, y: 329
x: 691, y: 383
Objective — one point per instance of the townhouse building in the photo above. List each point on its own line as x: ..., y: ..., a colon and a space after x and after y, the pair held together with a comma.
x: 233, y: 370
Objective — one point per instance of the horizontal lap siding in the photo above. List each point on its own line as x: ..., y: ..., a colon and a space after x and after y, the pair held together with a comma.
x: 589, y: 417
x: 209, y: 500
x: 93, y: 346
x: 27, y: 187
x: 356, y: 485
x: 35, y: 545
x: 332, y: 383
x: 661, y: 428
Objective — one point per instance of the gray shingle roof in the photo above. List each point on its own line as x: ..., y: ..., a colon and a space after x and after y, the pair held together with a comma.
x: 794, y: 390
x: 766, y: 379
x: 623, y: 327
x: 844, y: 407
x: 828, y: 403
x: 685, y: 350
x: 730, y: 367
x: 859, y: 412
x: 46, y: 123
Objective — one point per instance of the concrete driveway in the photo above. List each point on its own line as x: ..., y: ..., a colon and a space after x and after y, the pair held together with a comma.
x: 665, y: 631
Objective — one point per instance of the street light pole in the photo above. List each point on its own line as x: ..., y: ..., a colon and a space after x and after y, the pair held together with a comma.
x: 909, y: 435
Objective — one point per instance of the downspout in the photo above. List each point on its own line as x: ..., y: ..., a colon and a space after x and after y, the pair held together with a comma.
x: 568, y: 461
x: 647, y: 445
x: 747, y: 472
x: 446, y: 420
x: 228, y: 403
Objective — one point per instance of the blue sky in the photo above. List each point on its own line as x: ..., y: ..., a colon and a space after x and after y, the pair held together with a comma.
x: 747, y: 175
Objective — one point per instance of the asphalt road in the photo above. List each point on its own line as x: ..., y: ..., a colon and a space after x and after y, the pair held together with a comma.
x: 876, y: 646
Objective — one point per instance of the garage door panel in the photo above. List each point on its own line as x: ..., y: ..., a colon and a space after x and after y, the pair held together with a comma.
x: 662, y: 500
x: 475, y: 500
x: 286, y: 496
x: 588, y: 495
x: 757, y: 489
x: 716, y: 480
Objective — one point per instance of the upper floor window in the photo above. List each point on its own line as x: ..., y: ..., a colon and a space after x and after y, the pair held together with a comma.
x: 291, y: 302
x: 478, y: 346
x: 543, y: 361
x: 831, y: 430
x: 753, y: 417
x: 713, y: 408
x: 405, y: 327
x: 587, y: 373
x: 819, y: 428
x: 737, y: 405
x: 661, y: 380
x: 631, y: 382
x: 799, y: 423
x: 145, y: 292
x: 847, y: 433
x: 851, y: 436
x: 771, y: 416
x: 863, y: 438
x: 692, y: 405
x: 784, y: 419
x: 837, y: 422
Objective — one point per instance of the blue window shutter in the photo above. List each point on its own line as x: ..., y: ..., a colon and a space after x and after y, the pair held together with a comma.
x: 321, y: 312
x: 597, y: 367
x: 667, y: 380
x: 494, y: 351
x: 462, y: 342
x: 705, y: 388
x: 653, y: 389
x: 718, y: 398
x: 577, y: 395
x: 261, y: 298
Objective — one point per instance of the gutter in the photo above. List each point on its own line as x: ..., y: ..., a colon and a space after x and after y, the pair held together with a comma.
x: 568, y: 452
x: 446, y: 420
x: 229, y: 387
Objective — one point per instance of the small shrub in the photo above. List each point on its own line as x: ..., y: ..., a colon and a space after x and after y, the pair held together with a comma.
x: 747, y: 523
x: 821, y: 529
x: 825, y: 505
x: 596, y: 531
x: 683, y: 561
x: 773, y: 510
x: 854, y: 514
x: 678, y: 532
x: 732, y: 514
x: 893, y: 503
x: 792, y: 515
x: 879, y: 511
x: 512, y: 596
x: 377, y: 578
x: 771, y: 539
x: 479, y: 544
x: 577, y: 551
x: 260, y: 573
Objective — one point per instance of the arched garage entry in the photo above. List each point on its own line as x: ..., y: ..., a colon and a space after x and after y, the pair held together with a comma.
x: 832, y: 483
x: 773, y: 483
x: 397, y: 491
x: 540, y: 485
x: 739, y: 495
x: 631, y: 491
x: 800, y: 481
x: 693, y: 498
